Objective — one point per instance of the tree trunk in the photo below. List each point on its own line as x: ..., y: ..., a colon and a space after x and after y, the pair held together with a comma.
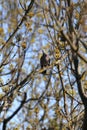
x: 85, y: 120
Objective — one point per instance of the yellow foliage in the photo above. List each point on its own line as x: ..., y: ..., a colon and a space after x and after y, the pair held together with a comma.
x: 30, y: 14
x: 36, y: 110
x: 2, y: 42
x: 56, y: 95
x: 29, y: 113
x: 57, y: 112
x: 31, y: 120
x: 39, y: 14
x: 17, y: 128
x: 13, y: 20
x: 13, y: 23
x: 84, y: 27
x: 85, y: 84
x: 30, y: 29
x: 40, y: 31
x: 28, y: 24
x: 20, y: 10
x: 62, y: 45
x: 1, y: 81
x: 32, y: 40
x: 1, y: 69
x: 5, y: 88
x: 1, y: 31
x: 46, y: 9
x: 57, y: 53
x: 45, y: 107
x: 1, y: 119
x: 1, y: 95
x: 28, y: 128
x: 72, y: 92
x: 46, y: 47
x: 9, y: 30
x: 77, y: 15
x: 11, y: 66
x: 45, y: 78
x: 23, y: 44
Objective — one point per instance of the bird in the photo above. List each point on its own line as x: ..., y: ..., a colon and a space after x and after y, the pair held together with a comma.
x: 44, y: 61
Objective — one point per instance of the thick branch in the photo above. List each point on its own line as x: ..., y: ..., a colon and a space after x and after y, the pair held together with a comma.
x: 74, y: 48
x: 15, y: 112
x: 77, y: 76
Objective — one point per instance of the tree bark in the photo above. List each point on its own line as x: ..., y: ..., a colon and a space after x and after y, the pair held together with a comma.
x: 81, y: 93
x: 85, y: 120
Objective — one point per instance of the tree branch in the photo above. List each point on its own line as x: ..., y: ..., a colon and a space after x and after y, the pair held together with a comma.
x: 15, y: 112
x: 22, y: 20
